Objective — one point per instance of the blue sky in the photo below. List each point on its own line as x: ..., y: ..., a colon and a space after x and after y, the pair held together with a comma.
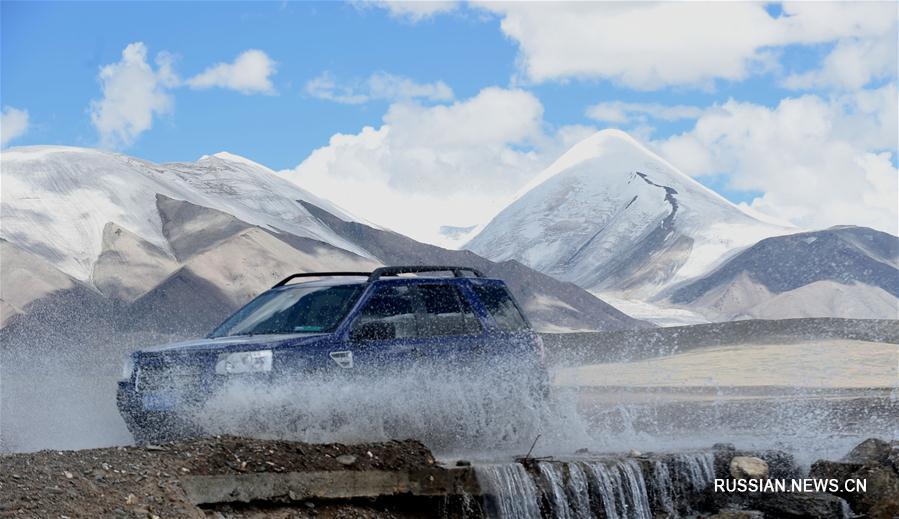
x: 50, y: 65
x: 731, y: 82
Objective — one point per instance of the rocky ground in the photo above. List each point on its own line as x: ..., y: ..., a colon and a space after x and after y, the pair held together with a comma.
x: 230, y: 478
x: 874, y: 461
x: 145, y: 481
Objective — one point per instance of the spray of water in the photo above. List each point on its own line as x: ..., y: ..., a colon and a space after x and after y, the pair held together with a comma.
x: 492, y: 411
x: 58, y: 391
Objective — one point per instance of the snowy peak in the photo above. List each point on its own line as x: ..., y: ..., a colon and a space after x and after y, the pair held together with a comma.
x: 614, y: 147
x: 230, y: 157
x: 57, y: 200
x: 605, y: 143
x: 611, y: 215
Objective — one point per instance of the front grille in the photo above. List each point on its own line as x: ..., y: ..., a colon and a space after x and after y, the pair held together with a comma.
x: 169, y: 376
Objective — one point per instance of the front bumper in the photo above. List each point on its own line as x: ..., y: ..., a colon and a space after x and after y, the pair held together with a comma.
x: 151, y: 425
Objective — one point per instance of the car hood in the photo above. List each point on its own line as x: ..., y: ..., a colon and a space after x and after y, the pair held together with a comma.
x: 237, y: 343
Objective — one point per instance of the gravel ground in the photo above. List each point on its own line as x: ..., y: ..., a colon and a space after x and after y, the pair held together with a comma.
x: 144, y: 481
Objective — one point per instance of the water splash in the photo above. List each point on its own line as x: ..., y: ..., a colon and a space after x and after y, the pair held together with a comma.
x: 456, y: 416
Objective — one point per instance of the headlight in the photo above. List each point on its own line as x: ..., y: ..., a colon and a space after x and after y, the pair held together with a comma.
x: 244, y: 362
x: 128, y: 367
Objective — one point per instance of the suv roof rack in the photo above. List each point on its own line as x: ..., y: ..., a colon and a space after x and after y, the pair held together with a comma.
x: 413, y: 269
x: 319, y: 275
x: 378, y: 273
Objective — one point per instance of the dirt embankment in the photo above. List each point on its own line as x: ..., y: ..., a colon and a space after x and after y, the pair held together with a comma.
x: 146, y: 482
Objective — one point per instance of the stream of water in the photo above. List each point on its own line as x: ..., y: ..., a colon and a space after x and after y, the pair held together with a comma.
x: 615, y: 488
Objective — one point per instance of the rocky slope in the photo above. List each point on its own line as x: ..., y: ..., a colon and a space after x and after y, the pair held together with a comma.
x: 844, y: 271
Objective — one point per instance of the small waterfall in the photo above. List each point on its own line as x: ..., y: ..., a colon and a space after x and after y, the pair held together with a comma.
x: 695, y: 470
x: 638, y: 498
x: 621, y: 490
x: 568, y: 498
x: 607, y: 489
x: 579, y: 492
x: 667, y: 485
x: 663, y: 490
x: 511, y: 491
x: 555, y: 480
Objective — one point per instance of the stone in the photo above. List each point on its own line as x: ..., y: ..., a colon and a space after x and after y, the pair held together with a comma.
x: 881, y: 496
x: 841, y: 470
x: 894, y: 455
x: 872, y: 450
x: 781, y: 464
x: 802, y: 506
x: 748, y: 467
x: 346, y: 459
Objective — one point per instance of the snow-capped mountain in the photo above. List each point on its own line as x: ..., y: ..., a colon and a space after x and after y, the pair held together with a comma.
x: 613, y: 217
x: 57, y: 200
x: 178, y: 246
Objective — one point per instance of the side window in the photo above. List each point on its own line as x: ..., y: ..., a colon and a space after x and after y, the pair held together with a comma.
x: 445, y: 312
x: 392, y: 307
x: 498, y: 302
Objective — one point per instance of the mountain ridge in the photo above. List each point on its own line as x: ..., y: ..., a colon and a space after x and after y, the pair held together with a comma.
x: 847, y: 271
x: 141, y: 240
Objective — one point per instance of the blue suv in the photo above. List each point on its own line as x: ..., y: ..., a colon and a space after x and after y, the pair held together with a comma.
x: 343, y: 323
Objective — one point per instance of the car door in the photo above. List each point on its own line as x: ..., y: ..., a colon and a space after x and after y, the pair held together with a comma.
x: 511, y: 336
x: 383, y: 336
x: 450, y: 334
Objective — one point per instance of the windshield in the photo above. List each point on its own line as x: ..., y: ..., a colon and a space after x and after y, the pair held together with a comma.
x: 295, y: 310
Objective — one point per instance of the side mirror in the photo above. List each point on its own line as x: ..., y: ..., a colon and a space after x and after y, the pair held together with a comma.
x: 373, y: 331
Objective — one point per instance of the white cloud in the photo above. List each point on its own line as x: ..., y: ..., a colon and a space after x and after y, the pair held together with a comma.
x: 133, y: 92
x: 379, y: 85
x: 426, y: 166
x: 412, y: 10
x: 653, y: 45
x: 818, y: 162
x: 852, y: 64
x: 248, y: 74
x: 622, y: 112
x: 325, y: 86
x: 388, y: 86
x: 13, y: 124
